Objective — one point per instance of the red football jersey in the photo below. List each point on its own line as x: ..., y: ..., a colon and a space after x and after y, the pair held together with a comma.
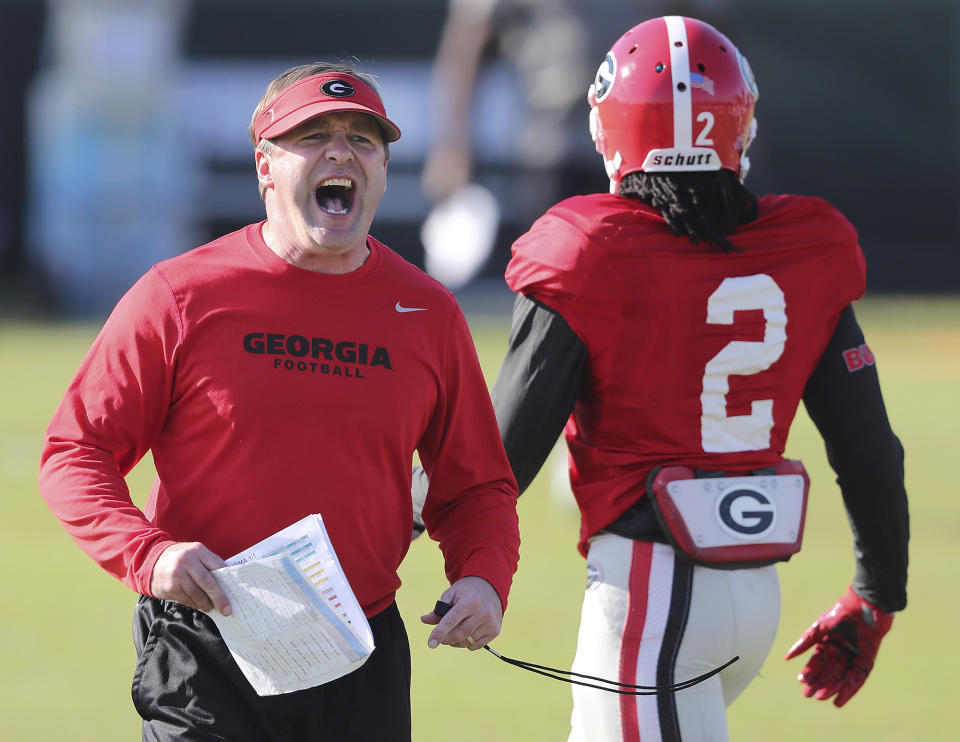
x: 695, y: 356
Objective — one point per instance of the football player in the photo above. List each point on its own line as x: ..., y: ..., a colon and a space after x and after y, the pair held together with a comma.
x: 674, y: 325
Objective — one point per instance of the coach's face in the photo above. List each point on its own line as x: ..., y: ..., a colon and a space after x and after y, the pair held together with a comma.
x: 323, y: 182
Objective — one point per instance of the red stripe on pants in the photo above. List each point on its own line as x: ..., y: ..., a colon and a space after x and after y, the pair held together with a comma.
x: 639, y: 582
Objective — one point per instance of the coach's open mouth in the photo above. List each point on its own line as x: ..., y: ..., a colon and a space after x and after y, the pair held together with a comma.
x: 335, y: 195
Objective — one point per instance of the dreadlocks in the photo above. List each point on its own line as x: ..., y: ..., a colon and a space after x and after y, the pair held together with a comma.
x: 706, y: 206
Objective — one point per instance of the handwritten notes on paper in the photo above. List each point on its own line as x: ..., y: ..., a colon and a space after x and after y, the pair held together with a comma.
x: 296, y: 622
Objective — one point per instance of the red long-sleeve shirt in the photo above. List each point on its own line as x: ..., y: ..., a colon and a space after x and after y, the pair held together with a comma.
x: 266, y: 393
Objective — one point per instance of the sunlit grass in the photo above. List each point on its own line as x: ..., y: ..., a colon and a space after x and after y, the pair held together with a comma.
x: 67, y: 656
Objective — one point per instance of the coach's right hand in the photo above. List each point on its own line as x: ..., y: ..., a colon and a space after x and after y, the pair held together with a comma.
x: 182, y: 574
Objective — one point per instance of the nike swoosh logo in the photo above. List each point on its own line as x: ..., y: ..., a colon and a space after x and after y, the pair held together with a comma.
x: 400, y: 308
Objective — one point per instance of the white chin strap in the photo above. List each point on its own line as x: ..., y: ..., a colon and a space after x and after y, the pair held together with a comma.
x: 744, y: 160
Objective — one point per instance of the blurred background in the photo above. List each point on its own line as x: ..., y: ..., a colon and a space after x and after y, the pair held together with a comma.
x: 125, y: 125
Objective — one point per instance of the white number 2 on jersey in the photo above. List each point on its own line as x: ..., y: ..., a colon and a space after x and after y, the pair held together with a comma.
x: 720, y: 432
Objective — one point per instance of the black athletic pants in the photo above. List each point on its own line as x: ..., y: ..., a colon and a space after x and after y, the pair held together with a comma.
x: 188, y: 688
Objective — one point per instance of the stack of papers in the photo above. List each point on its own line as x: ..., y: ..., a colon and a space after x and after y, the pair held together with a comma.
x: 296, y: 622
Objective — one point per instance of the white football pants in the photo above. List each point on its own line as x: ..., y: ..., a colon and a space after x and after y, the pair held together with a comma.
x: 650, y: 619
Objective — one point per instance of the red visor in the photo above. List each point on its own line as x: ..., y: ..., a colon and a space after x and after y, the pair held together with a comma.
x: 317, y: 95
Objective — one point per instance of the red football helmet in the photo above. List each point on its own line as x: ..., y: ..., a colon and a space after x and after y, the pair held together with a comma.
x: 673, y: 95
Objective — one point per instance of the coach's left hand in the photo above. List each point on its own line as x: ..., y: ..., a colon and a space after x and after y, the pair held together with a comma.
x: 474, y: 619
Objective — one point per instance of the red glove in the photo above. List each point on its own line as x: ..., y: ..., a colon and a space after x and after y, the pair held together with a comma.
x: 846, y: 639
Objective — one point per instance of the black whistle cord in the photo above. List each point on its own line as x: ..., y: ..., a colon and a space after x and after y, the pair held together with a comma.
x: 645, y: 690
x: 552, y: 672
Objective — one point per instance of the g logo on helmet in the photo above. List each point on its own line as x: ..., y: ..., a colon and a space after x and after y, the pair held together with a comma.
x: 337, y: 89
x: 746, y: 512
x: 747, y: 72
x: 606, y: 74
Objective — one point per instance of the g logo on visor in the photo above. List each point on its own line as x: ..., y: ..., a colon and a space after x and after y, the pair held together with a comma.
x: 606, y: 74
x: 337, y: 89
x: 746, y: 512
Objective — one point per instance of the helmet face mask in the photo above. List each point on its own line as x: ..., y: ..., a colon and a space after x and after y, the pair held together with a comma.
x: 672, y: 95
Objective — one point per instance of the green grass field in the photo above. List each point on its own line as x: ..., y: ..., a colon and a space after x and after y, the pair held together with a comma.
x: 67, y: 657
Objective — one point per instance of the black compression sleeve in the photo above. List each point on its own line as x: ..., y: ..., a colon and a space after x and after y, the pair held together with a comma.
x: 847, y: 408
x: 537, y: 385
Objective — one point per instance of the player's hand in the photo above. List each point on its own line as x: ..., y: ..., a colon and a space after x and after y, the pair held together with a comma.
x: 419, y: 486
x: 474, y: 619
x: 845, y: 641
x: 182, y: 574
x: 418, y: 529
